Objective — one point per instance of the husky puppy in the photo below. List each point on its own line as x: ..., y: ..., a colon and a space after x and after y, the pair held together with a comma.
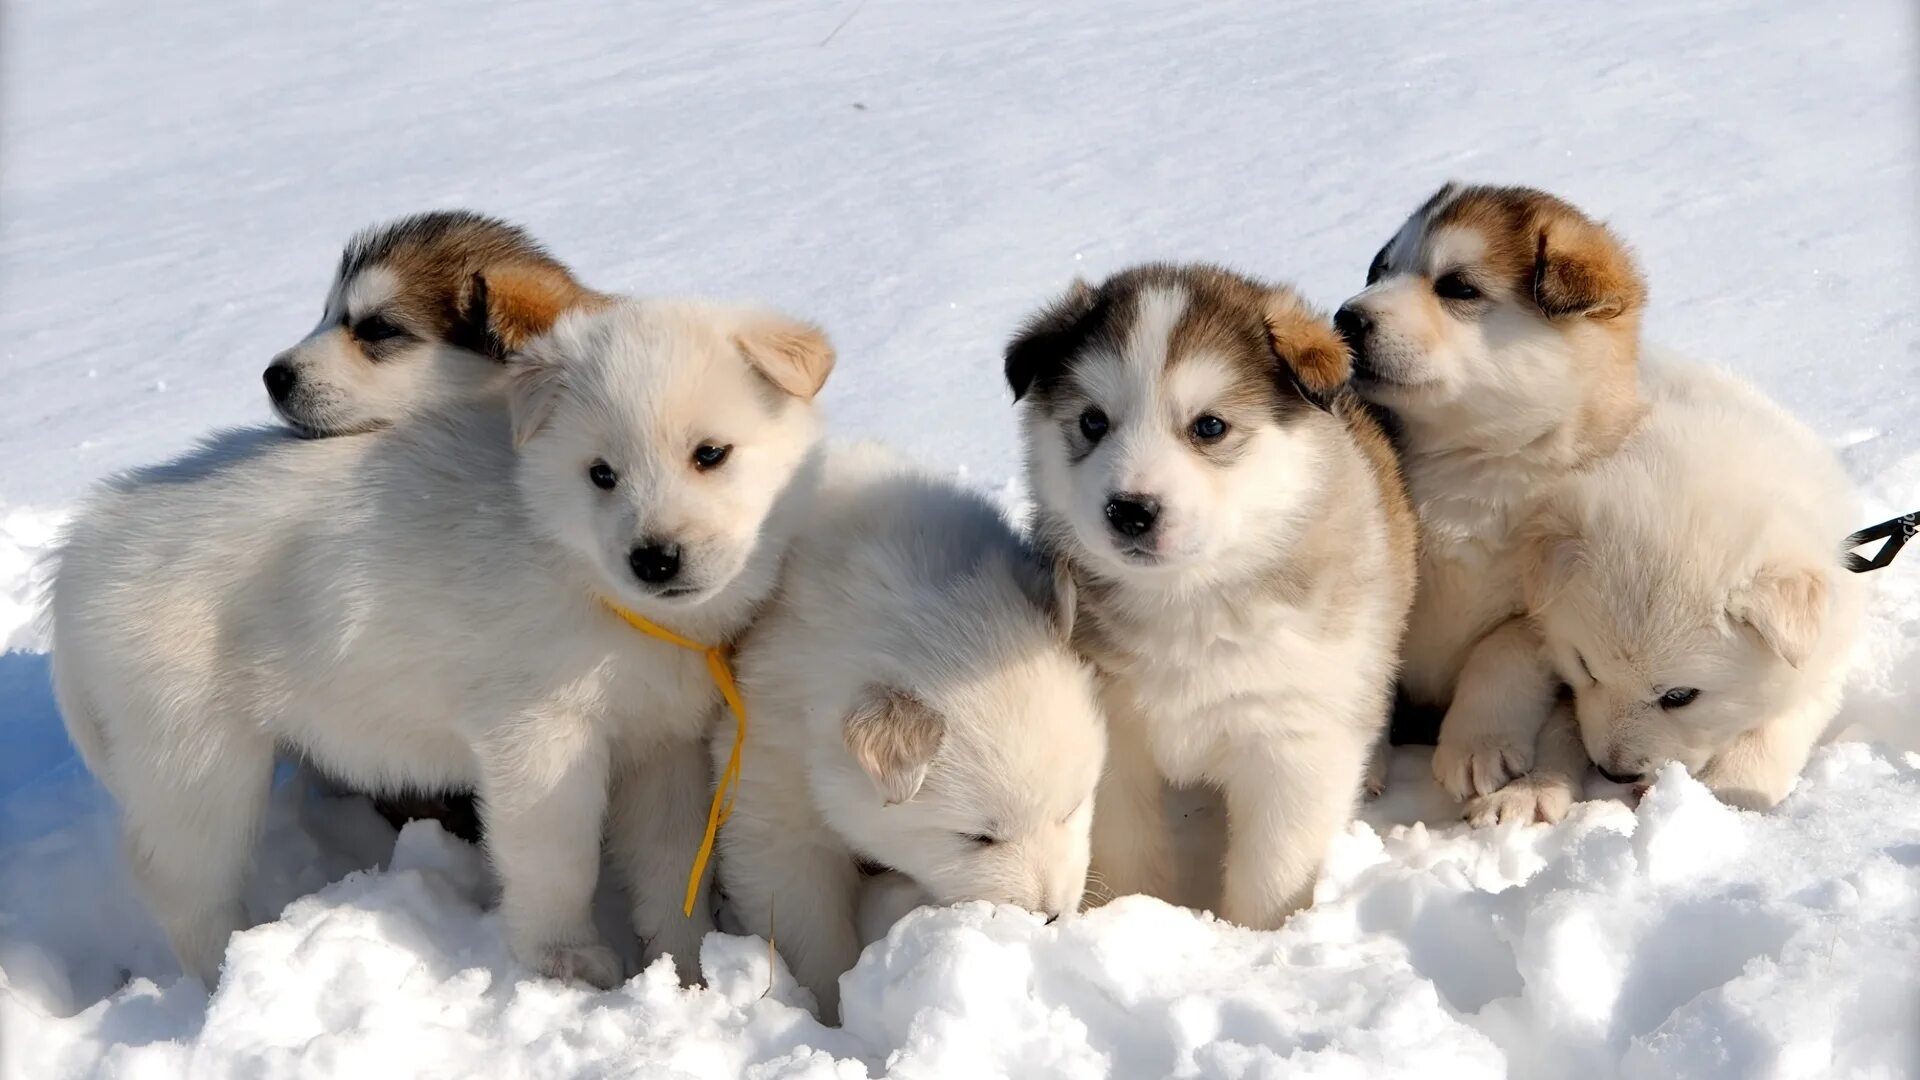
x: 421, y: 314
x: 1691, y: 590
x: 1242, y: 552
x: 1501, y: 327
x: 429, y: 607
x: 915, y: 704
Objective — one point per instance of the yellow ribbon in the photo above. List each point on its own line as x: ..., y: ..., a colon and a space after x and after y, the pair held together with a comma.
x: 722, y: 675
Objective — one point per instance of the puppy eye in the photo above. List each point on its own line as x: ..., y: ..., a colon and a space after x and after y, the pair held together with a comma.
x: 708, y: 456
x: 602, y: 475
x: 1093, y: 424
x: 1208, y: 428
x: 980, y: 839
x: 1679, y: 697
x: 376, y: 328
x: 1455, y: 286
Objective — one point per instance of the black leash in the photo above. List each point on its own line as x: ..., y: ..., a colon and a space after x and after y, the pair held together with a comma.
x: 1896, y: 533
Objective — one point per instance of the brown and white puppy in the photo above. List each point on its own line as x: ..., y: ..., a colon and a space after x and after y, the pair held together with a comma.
x: 421, y: 314
x: 1501, y: 326
x: 1242, y: 554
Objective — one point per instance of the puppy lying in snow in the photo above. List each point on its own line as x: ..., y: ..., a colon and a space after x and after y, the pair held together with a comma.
x: 914, y: 703
x: 427, y: 607
x: 1691, y: 590
x: 421, y: 315
x: 1243, y: 555
x: 1501, y: 327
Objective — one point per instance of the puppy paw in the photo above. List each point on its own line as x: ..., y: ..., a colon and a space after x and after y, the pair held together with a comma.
x: 1480, y: 765
x: 1526, y: 800
x: 681, y: 944
x: 1377, y: 767
x: 595, y: 965
x: 1743, y: 790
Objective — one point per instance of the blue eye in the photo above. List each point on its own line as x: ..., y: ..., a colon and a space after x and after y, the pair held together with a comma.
x: 602, y: 475
x: 1208, y: 428
x: 1093, y: 424
x: 1679, y: 697
x: 708, y: 456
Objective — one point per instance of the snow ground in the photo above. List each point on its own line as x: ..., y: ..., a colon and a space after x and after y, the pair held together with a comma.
x: 178, y: 179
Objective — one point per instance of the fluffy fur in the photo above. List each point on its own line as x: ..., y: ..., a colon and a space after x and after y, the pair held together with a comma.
x: 1501, y: 328
x: 915, y: 703
x: 421, y: 315
x: 1691, y: 590
x: 1243, y: 557
x: 423, y: 608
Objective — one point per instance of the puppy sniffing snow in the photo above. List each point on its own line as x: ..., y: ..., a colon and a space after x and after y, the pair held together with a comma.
x: 1691, y: 590
x: 914, y: 704
x: 420, y: 316
x: 1243, y: 555
x: 1501, y: 327
x: 427, y: 608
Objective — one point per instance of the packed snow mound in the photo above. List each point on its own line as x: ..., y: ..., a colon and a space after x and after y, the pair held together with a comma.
x: 1682, y: 938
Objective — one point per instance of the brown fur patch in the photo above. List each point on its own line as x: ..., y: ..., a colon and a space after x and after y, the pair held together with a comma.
x: 793, y: 355
x: 1543, y: 248
x: 465, y: 279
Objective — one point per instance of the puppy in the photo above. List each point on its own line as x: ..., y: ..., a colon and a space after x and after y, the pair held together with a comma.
x: 421, y: 314
x: 429, y: 607
x: 1243, y: 555
x: 1500, y: 326
x: 1691, y: 589
x: 916, y: 704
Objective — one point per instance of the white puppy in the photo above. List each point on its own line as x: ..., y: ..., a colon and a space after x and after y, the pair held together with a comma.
x: 428, y: 607
x: 914, y: 703
x: 1501, y: 327
x: 1243, y: 555
x: 1691, y: 590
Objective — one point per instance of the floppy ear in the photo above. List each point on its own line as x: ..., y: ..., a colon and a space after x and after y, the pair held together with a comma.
x: 1580, y: 269
x: 893, y: 736
x: 793, y: 355
x: 1549, y: 550
x: 509, y: 305
x: 1310, y: 353
x: 1786, y: 607
x: 1039, y: 352
x: 535, y: 381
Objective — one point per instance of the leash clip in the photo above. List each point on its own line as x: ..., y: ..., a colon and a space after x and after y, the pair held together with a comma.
x: 1896, y: 533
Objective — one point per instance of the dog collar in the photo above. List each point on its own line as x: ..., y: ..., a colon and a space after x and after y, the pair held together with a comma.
x: 722, y: 674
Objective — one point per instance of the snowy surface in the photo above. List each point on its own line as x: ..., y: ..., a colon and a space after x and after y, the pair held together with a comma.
x: 178, y: 179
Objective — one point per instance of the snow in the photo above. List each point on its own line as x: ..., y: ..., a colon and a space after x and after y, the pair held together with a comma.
x: 917, y: 177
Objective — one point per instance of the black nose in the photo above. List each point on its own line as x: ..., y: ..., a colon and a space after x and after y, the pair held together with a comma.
x: 279, y: 378
x: 1353, y: 325
x: 1618, y: 778
x: 655, y: 564
x: 1132, y: 515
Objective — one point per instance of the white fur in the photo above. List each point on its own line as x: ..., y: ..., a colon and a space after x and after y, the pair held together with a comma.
x: 908, y: 592
x: 1706, y: 554
x: 1209, y: 674
x: 421, y: 608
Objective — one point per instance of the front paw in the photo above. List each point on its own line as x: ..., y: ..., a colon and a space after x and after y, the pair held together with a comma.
x: 1526, y: 800
x: 593, y: 964
x: 1378, y: 766
x: 1745, y: 788
x: 682, y: 942
x: 1479, y: 765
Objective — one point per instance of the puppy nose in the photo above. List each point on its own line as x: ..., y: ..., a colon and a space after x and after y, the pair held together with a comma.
x: 1353, y: 324
x: 1132, y: 515
x: 655, y: 564
x: 279, y: 378
x: 1618, y: 778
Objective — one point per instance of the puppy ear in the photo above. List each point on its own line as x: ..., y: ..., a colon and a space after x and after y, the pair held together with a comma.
x: 793, y: 355
x: 535, y: 381
x: 1039, y: 352
x: 1550, y: 548
x: 509, y: 305
x: 1313, y: 359
x: 1786, y: 607
x: 1580, y: 269
x: 893, y: 736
